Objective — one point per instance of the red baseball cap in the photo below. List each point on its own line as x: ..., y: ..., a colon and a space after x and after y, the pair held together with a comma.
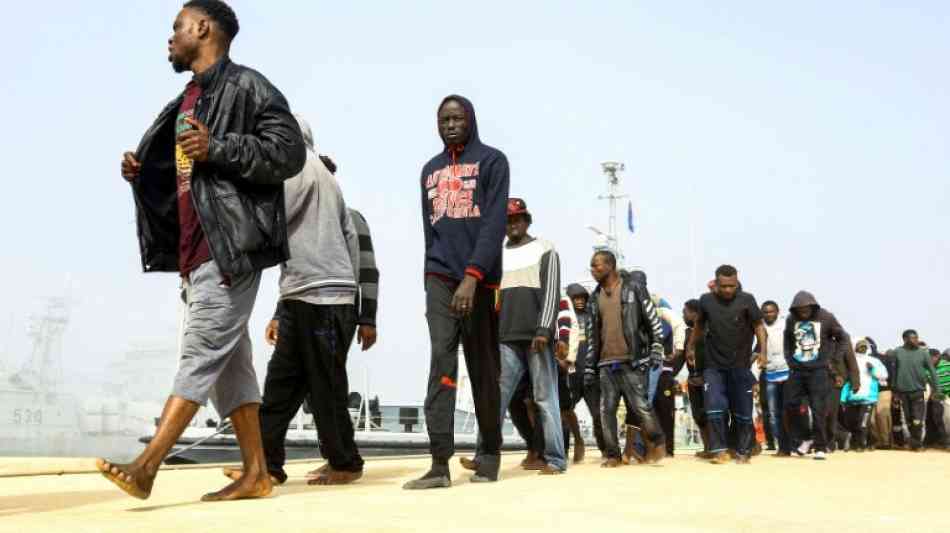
x: 516, y: 206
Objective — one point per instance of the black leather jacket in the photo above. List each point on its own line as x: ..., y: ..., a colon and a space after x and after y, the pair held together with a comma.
x: 238, y: 192
x: 641, y: 325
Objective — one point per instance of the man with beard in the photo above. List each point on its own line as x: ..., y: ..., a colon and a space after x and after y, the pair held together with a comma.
x: 728, y: 319
x: 464, y: 192
x: 207, y: 179
x: 626, y: 340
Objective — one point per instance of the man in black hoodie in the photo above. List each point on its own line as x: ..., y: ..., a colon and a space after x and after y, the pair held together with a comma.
x: 464, y: 192
x: 821, y: 359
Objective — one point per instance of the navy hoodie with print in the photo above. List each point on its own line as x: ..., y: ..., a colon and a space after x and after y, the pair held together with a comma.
x: 464, y: 207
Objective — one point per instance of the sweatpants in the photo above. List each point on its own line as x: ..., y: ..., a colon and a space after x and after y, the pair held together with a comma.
x: 664, y: 403
x: 216, y: 360
x: 728, y: 395
x: 808, y: 388
x: 881, y: 426
x: 309, y: 361
x: 591, y: 396
x: 623, y: 380
x: 914, y: 407
x: 857, y: 420
x: 478, y: 333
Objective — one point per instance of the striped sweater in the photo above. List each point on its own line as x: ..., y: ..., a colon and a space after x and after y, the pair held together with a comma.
x: 368, y: 274
x: 530, y: 291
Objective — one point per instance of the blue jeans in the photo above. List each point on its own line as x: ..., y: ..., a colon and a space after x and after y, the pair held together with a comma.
x: 775, y: 393
x: 516, y: 359
x: 728, y: 391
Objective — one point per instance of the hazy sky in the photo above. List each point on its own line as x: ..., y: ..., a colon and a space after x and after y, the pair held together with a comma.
x: 805, y: 143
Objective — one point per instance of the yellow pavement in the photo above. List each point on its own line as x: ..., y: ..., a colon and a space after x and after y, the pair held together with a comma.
x: 862, y: 493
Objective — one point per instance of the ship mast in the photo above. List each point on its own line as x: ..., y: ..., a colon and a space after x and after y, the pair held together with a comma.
x: 611, y: 237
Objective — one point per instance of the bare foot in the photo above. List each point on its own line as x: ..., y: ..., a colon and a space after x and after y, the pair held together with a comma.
x: 234, y: 473
x: 336, y: 477
x: 468, y: 464
x: 314, y: 474
x: 131, y: 478
x: 611, y: 462
x: 245, y: 487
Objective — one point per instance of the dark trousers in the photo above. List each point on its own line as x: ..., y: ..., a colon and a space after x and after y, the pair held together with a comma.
x: 728, y: 394
x: 532, y: 435
x: 622, y: 380
x: 664, y: 403
x: 857, y: 419
x: 914, y: 407
x: 591, y: 396
x: 310, y: 362
x: 833, y: 417
x: 764, y: 408
x: 697, y: 409
x: 478, y: 333
x: 808, y: 388
x: 897, y: 420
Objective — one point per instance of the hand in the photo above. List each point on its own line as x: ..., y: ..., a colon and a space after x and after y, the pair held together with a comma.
x: 194, y: 143
x: 270, y: 333
x: 563, y: 364
x: 839, y: 382
x: 539, y: 344
x: 691, y: 355
x: 561, y: 350
x: 366, y: 336
x: 464, y: 296
x: 589, y: 378
x: 763, y: 360
x: 855, y: 387
x: 130, y: 167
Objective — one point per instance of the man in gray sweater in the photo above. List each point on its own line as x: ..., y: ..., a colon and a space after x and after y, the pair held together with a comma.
x: 316, y: 321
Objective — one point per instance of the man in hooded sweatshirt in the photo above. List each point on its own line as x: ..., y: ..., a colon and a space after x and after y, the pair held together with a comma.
x: 572, y: 330
x: 464, y: 193
x: 316, y: 318
x: 813, y: 341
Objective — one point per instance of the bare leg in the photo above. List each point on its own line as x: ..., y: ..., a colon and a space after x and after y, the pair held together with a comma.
x: 137, y: 477
x: 570, y: 418
x: 254, y: 482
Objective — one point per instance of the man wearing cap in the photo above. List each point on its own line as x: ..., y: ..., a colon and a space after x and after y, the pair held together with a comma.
x: 530, y: 292
x: 464, y: 193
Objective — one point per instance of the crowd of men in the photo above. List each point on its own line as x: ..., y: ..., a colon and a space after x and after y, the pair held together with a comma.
x: 228, y: 182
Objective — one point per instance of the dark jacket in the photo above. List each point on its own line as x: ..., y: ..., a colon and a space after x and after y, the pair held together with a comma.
x: 464, y: 207
x: 238, y: 192
x: 641, y: 325
x: 819, y: 342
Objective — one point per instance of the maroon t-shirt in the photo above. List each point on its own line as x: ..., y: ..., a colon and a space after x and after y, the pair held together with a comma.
x: 192, y: 244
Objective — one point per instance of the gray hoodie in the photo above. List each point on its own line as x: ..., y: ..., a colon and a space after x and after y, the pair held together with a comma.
x: 324, y: 247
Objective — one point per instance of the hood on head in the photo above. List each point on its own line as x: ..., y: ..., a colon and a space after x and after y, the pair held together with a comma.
x: 469, y: 112
x: 576, y: 289
x: 804, y: 299
x: 946, y: 354
x: 306, y: 131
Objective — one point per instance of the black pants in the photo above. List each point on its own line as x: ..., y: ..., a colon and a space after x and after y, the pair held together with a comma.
x: 697, y: 409
x: 623, y: 380
x: 478, y: 333
x: 664, y: 403
x: 897, y: 420
x: 833, y: 417
x: 310, y: 362
x: 808, y: 388
x: 532, y: 435
x: 591, y: 396
x: 857, y: 417
x: 914, y: 407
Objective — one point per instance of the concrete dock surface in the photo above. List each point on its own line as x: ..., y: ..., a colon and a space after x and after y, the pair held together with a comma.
x: 880, y: 491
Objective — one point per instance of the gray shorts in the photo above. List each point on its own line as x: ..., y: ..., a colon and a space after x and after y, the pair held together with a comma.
x: 216, y: 358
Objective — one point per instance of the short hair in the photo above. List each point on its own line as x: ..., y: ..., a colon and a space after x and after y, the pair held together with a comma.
x: 692, y: 305
x: 908, y: 333
x: 726, y: 271
x: 608, y: 256
x: 770, y: 302
x: 220, y: 13
x: 934, y: 352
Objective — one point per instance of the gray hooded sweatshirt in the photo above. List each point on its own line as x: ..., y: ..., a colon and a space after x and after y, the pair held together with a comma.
x: 324, y: 247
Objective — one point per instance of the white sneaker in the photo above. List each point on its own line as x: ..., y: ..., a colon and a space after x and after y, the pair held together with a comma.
x: 803, y: 450
x: 820, y: 456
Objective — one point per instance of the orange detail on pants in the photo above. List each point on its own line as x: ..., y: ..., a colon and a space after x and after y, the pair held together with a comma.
x: 447, y: 382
